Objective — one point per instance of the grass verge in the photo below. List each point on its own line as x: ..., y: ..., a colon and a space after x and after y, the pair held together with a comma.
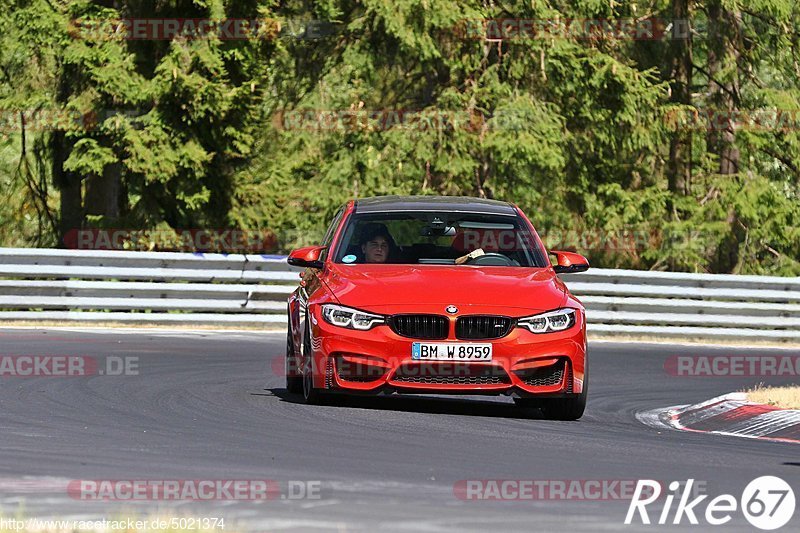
x: 783, y: 397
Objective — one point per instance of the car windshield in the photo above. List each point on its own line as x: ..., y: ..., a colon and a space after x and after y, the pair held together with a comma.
x: 439, y: 238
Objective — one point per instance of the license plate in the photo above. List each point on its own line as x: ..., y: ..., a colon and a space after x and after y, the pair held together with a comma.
x: 448, y: 351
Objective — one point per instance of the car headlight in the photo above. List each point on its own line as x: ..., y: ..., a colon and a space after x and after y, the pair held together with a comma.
x: 345, y: 317
x: 557, y: 320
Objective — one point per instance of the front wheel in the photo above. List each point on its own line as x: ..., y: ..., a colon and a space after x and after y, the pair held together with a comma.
x: 311, y: 394
x: 571, y: 408
x: 294, y: 384
x: 564, y: 408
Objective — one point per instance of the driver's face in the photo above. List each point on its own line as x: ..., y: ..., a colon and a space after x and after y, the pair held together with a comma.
x: 376, y: 250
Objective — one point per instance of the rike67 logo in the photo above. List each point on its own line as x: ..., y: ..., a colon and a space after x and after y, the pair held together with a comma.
x: 767, y: 503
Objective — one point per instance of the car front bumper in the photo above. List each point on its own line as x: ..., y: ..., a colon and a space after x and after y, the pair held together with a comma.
x: 379, y: 360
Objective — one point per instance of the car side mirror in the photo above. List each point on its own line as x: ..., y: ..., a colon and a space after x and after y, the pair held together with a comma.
x: 569, y: 263
x: 306, y: 257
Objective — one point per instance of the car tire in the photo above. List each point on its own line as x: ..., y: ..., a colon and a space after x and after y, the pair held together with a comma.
x: 571, y: 408
x: 311, y: 394
x: 294, y: 384
x: 564, y: 408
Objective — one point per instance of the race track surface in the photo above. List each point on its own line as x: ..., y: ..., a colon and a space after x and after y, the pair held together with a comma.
x: 212, y: 406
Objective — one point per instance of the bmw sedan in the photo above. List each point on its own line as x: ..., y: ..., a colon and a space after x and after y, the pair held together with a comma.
x: 426, y: 294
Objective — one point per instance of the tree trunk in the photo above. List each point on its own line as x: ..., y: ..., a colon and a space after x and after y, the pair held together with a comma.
x: 69, y: 185
x: 723, y: 84
x: 725, y: 41
x: 103, y: 192
x: 679, y: 168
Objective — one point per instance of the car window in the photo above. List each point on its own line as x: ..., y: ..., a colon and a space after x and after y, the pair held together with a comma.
x: 439, y: 238
x: 326, y: 240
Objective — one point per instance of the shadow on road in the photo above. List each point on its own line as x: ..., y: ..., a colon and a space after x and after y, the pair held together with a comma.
x: 469, y: 406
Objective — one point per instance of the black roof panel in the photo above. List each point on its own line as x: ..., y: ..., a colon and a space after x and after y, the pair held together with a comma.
x: 456, y: 204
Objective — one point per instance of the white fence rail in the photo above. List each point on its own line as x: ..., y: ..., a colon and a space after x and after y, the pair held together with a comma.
x: 180, y: 288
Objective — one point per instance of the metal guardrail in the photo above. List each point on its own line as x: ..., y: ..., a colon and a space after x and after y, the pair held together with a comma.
x: 182, y: 288
x: 144, y: 287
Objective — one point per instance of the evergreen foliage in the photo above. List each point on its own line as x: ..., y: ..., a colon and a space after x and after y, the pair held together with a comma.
x: 618, y: 147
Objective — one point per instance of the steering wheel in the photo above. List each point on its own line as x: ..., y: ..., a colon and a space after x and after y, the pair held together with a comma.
x: 491, y: 259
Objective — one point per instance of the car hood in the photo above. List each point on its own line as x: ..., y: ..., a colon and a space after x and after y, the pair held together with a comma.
x: 404, y: 288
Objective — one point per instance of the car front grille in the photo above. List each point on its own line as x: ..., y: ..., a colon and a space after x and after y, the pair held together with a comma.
x: 420, y: 326
x: 451, y: 374
x: 543, y: 377
x: 483, y: 327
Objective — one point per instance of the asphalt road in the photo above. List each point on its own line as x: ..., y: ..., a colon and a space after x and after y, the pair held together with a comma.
x: 210, y: 406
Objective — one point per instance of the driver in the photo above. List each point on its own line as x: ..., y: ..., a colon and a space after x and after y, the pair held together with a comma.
x: 376, y: 243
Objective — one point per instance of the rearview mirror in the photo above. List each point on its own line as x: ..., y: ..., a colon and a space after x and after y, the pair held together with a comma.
x: 569, y: 263
x: 431, y: 231
x: 306, y: 257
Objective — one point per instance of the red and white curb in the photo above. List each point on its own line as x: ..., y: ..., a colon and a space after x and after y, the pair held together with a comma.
x: 730, y: 414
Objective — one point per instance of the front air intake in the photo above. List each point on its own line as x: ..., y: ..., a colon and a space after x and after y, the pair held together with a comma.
x: 546, y: 376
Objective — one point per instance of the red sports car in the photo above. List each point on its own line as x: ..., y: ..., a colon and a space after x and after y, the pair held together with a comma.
x: 426, y: 294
